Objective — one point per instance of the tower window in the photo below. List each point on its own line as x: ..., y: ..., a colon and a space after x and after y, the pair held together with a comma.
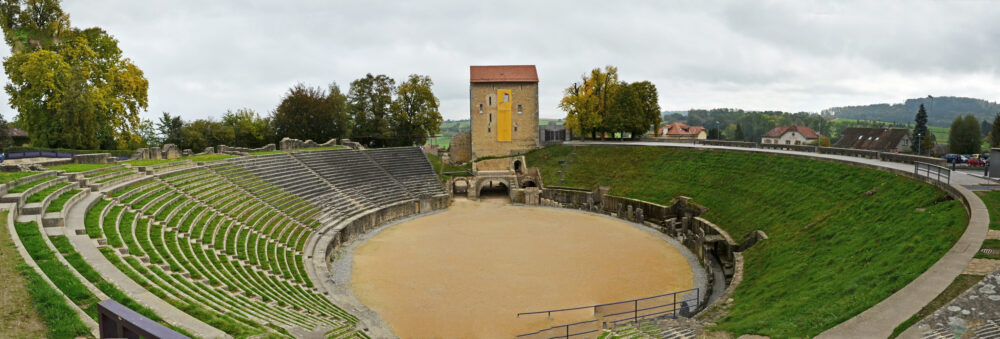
x: 506, y: 97
x: 490, y: 100
x: 491, y: 117
x: 480, y: 108
x: 520, y: 109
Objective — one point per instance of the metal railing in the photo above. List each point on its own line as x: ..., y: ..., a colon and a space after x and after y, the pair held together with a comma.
x: 564, y: 331
x: 613, y: 314
x: 939, y: 173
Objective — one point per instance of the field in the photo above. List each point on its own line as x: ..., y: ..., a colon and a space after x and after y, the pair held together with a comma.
x: 842, y: 238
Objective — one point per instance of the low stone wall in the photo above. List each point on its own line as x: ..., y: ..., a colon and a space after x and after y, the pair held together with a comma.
x: 681, y: 221
x: 93, y: 158
x: 354, y: 227
x: 289, y: 144
x: 232, y: 150
x: 850, y: 152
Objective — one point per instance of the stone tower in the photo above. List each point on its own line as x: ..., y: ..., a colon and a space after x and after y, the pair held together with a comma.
x: 503, y: 109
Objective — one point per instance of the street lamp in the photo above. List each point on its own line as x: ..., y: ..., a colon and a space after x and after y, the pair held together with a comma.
x: 919, y: 134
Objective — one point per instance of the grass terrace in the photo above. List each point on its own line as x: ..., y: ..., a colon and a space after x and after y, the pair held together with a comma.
x: 27, y: 185
x: 75, y: 168
x: 194, y: 158
x: 842, y: 238
x: 11, y: 176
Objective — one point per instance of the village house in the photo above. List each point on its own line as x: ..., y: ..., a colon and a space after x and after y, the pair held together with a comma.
x: 681, y: 131
x: 876, y: 139
x: 790, y: 135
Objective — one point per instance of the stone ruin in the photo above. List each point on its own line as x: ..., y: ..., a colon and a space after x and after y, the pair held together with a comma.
x: 289, y: 144
x: 168, y: 151
x: 232, y: 150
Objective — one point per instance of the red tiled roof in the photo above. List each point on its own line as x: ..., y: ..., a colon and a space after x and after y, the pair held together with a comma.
x: 679, y: 128
x: 777, y: 132
x: 16, y: 132
x: 513, y: 73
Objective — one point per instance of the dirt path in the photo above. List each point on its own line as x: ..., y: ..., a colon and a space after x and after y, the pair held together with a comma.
x: 466, y: 272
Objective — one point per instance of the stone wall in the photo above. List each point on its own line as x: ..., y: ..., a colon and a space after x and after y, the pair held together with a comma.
x: 483, y: 125
x: 460, y: 148
x: 94, y: 158
x: 289, y: 144
x: 352, y: 228
x: 223, y: 149
x: 681, y: 220
x: 168, y: 151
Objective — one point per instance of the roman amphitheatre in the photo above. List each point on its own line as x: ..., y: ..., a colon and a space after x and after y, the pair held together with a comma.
x: 580, y: 240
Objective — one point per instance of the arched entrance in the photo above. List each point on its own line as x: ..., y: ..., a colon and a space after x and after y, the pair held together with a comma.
x: 518, y: 167
x: 460, y: 186
x: 494, y: 188
x: 528, y: 183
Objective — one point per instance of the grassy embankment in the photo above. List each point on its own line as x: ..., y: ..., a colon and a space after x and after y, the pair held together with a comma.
x: 842, y: 238
x: 440, y: 167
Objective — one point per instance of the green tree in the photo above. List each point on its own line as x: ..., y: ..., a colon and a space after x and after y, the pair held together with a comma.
x: 415, y: 114
x: 964, y: 137
x: 72, y: 88
x: 249, y: 129
x: 311, y: 113
x: 738, y: 134
x: 369, y: 106
x: 995, y: 131
x: 202, y: 133
x: 170, y: 129
x: 920, y: 129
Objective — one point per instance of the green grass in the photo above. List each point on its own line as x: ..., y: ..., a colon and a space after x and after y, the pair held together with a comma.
x: 27, y: 185
x: 40, y: 195
x: 195, y: 158
x: 961, y: 283
x: 11, y: 176
x: 833, y: 251
x: 92, y: 221
x: 75, y: 168
x: 992, y: 201
x: 74, y: 258
x: 267, y: 152
x: 993, y: 244
x: 57, y: 204
x: 17, y: 318
x: 440, y: 167
x: 61, y: 276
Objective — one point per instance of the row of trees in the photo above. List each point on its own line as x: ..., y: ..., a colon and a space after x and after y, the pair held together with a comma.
x: 601, y: 105
x: 72, y: 87
x: 375, y: 112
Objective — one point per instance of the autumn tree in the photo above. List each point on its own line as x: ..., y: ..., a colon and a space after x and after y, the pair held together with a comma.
x: 311, y: 113
x: 72, y: 88
x: 600, y: 104
x: 369, y: 106
x: 415, y: 114
x: 202, y: 133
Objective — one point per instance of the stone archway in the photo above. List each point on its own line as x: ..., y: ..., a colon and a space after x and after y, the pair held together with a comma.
x: 476, y: 189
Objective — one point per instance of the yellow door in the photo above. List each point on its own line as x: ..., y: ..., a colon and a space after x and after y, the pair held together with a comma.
x: 503, y: 114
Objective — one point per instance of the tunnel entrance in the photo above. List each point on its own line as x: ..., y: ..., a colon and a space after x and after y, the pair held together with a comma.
x: 494, y: 189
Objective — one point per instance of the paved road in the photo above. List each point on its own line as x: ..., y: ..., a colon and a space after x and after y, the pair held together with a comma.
x: 879, y: 320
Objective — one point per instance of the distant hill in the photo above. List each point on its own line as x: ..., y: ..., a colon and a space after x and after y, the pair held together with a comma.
x: 941, y: 111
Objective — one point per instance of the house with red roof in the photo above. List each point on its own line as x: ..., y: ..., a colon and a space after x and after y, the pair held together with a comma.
x: 681, y: 131
x: 790, y: 135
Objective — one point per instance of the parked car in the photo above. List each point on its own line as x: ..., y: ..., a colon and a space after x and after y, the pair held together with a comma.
x: 976, y: 162
x: 951, y: 158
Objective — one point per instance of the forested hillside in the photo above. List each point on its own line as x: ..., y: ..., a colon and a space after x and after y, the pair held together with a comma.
x: 941, y: 111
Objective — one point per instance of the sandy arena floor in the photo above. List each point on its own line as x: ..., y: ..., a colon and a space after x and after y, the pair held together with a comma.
x: 466, y: 272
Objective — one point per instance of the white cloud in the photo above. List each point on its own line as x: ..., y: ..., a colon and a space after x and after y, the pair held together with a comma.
x: 203, y: 58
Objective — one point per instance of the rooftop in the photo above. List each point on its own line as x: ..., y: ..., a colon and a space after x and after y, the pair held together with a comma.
x: 509, y: 73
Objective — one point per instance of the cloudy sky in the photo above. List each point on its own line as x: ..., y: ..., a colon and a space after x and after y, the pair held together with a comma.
x: 204, y: 57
